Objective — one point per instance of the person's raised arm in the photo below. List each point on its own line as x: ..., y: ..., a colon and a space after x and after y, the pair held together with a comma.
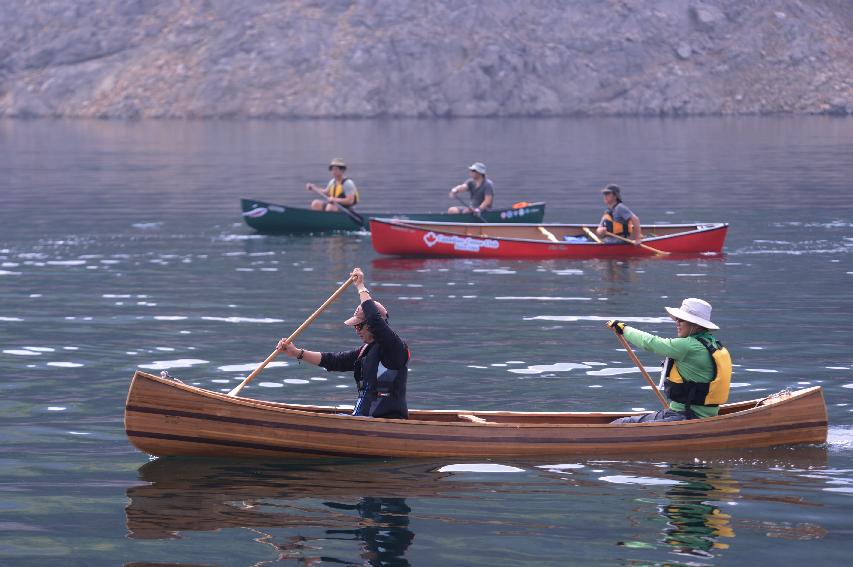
x: 394, y: 350
x: 673, y: 348
x: 458, y: 189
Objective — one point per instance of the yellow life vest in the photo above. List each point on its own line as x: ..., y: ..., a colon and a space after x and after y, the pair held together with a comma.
x: 712, y: 393
x: 337, y: 190
x: 616, y: 227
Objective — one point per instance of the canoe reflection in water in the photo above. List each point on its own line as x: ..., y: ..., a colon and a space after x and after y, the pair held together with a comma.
x: 321, y: 506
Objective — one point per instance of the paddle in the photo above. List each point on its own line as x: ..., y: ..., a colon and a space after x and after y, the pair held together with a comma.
x: 357, y: 218
x: 594, y: 237
x: 473, y: 212
x: 290, y: 339
x: 629, y: 241
x: 636, y: 360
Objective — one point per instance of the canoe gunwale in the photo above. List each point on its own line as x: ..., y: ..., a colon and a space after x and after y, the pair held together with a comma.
x: 731, y: 410
x: 286, y: 219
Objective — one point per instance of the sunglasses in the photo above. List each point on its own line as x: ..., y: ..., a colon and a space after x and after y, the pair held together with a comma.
x: 359, y: 326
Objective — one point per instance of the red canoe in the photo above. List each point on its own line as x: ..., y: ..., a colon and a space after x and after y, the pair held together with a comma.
x: 488, y: 240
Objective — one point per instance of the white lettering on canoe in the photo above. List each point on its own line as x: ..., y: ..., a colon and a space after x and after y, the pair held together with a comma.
x: 256, y: 212
x: 463, y: 243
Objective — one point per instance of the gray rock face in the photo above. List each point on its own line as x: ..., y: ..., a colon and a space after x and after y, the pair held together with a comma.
x: 443, y: 58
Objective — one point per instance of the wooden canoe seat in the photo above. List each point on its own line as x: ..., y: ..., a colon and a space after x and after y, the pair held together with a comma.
x: 548, y: 234
x: 471, y: 418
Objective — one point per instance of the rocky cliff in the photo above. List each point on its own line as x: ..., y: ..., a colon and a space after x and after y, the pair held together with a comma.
x: 428, y: 58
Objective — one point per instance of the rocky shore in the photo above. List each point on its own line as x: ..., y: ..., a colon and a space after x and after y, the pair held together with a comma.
x: 414, y: 58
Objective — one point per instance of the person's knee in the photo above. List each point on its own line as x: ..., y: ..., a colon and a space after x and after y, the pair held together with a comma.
x: 621, y: 420
x: 453, y: 210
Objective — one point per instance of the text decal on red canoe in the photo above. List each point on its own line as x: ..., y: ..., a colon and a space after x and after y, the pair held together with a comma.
x: 464, y: 243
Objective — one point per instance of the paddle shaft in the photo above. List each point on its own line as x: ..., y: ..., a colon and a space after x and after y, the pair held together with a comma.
x: 468, y: 206
x: 640, y: 366
x: 591, y: 234
x: 291, y: 338
x: 628, y: 240
x: 351, y: 214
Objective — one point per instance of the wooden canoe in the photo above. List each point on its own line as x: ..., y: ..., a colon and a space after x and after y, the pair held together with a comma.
x: 269, y: 218
x: 530, y: 240
x: 164, y: 417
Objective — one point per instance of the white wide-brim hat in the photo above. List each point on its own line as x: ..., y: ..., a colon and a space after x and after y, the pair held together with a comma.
x: 695, y: 311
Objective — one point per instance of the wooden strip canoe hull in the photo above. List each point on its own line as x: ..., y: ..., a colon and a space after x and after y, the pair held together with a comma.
x: 167, y: 418
x: 532, y: 241
x: 269, y: 218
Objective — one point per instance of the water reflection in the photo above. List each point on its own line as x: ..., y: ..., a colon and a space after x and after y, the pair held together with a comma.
x: 701, y: 496
x: 383, y: 529
x: 695, y: 526
x: 322, y: 505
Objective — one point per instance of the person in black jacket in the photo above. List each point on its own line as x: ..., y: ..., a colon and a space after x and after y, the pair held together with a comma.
x: 379, y: 365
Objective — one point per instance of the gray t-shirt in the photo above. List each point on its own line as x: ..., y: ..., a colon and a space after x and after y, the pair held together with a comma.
x: 621, y: 213
x: 478, y: 194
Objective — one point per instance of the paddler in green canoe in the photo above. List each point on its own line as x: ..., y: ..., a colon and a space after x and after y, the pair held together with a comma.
x: 480, y: 191
x: 340, y: 191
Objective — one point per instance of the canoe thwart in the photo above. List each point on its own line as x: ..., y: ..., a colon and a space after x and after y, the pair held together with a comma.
x: 471, y: 418
x: 548, y: 234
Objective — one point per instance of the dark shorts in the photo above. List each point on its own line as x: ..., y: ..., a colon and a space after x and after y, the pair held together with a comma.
x: 662, y: 415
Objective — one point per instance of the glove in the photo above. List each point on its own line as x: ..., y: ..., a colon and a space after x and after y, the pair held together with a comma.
x: 617, y: 326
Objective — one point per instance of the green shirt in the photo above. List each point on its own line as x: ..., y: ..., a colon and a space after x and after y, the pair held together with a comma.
x: 694, y: 361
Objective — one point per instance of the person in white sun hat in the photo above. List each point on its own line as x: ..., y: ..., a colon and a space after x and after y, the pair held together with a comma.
x: 697, y: 371
x: 480, y: 191
x: 380, y: 365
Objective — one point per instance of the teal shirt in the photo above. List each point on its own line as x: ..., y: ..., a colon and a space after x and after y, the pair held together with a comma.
x: 694, y: 361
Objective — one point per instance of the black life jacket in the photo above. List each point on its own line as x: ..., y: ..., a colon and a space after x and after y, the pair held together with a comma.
x: 711, y: 393
x: 382, y: 391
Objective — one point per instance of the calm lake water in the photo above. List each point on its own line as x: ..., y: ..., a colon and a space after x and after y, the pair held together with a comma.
x: 122, y: 247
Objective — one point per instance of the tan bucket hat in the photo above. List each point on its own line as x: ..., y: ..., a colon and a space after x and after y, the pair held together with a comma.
x: 358, y: 315
x: 338, y: 162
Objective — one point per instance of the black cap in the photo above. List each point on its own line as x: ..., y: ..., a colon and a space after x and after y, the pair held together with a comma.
x: 611, y: 188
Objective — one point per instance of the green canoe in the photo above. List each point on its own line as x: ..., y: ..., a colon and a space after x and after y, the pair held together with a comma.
x: 269, y: 218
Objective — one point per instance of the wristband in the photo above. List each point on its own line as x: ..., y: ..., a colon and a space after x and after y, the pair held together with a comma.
x: 301, y: 354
